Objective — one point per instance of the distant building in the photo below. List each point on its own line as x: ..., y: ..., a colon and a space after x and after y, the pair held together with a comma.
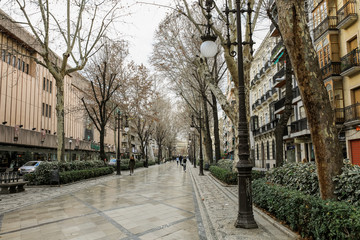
x: 28, y: 121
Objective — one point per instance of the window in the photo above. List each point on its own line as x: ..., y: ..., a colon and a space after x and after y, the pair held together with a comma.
x: 23, y: 66
x: 47, y: 85
x: 352, y: 44
x: 273, y: 149
x: 267, y: 150
x: 49, y: 111
x: 257, y: 151
x: 19, y: 63
x: 266, y: 118
x: 9, y: 58
x: 44, y: 84
x: 14, y: 61
x: 50, y: 86
x: 3, y: 55
x: 46, y: 110
x: 27, y: 68
x: 43, y: 109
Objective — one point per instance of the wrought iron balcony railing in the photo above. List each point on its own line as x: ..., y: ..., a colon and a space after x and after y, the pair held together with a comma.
x: 350, y: 60
x: 279, y: 104
x: 276, y: 49
x: 352, y: 112
x: 331, y: 69
x: 299, y: 125
x: 346, y: 12
x: 279, y: 74
x: 329, y: 23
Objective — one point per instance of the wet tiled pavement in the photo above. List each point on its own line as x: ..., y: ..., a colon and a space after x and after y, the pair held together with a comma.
x: 161, y: 202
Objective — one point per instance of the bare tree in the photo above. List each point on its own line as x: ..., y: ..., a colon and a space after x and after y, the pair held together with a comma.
x: 79, y: 36
x: 105, y: 79
x: 174, y: 53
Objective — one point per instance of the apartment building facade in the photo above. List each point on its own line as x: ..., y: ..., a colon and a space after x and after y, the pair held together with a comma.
x: 28, y: 121
x: 335, y: 31
x: 263, y: 96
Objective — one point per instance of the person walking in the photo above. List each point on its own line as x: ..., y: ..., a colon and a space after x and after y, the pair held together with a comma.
x: 132, y: 164
x: 184, y: 164
x: 180, y: 159
x: 177, y: 161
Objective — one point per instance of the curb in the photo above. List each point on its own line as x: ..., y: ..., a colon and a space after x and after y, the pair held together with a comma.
x: 259, y: 211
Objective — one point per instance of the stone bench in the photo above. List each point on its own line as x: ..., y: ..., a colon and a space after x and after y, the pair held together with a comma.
x: 12, y: 187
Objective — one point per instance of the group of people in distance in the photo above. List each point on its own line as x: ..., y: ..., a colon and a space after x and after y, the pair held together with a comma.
x: 182, y: 160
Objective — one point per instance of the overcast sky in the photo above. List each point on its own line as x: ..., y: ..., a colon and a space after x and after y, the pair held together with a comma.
x: 141, y: 26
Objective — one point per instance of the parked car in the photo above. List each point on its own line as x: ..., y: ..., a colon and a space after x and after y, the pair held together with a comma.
x: 112, y: 162
x: 29, y: 167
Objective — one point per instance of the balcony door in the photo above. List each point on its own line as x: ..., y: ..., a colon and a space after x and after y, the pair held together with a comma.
x: 355, y: 152
x: 356, y: 103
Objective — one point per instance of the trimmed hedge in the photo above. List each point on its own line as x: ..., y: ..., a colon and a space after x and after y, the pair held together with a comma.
x: 297, y: 176
x: 224, y: 175
x: 73, y: 176
x: 309, y: 215
x: 303, y: 177
x: 42, y: 174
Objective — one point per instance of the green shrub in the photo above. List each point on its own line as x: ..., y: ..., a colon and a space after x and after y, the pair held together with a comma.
x: 77, y: 175
x: 42, y: 173
x: 309, y: 215
x: 224, y: 175
x: 297, y: 176
x: 226, y: 164
x: 257, y: 174
x: 303, y: 177
x: 347, y: 184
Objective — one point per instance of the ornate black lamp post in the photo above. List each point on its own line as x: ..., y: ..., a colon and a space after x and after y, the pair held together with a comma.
x: 245, y: 217
x: 118, y: 157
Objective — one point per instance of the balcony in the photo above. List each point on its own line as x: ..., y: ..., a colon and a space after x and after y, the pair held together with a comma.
x: 268, y: 94
x: 347, y: 15
x: 299, y: 125
x: 273, y: 31
x: 265, y: 128
x: 279, y: 78
x: 267, y: 65
x: 279, y: 104
x: 331, y: 69
x: 328, y: 24
x: 296, y: 92
x: 262, y: 71
x: 277, y: 49
x: 352, y: 113
x: 339, y: 115
x: 350, y: 63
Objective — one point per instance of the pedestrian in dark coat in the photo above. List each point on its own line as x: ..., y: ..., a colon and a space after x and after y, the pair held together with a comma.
x: 132, y: 164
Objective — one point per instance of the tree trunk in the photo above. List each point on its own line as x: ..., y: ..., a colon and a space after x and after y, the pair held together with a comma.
x: 60, y: 119
x: 102, y: 147
x: 159, y: 154
x: 282, y: 123
x: 216, y: 128
x: 296, y: 35
x: 207, y: 135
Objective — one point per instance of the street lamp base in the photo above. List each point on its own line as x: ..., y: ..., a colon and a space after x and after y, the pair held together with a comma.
x: 246, y: 221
